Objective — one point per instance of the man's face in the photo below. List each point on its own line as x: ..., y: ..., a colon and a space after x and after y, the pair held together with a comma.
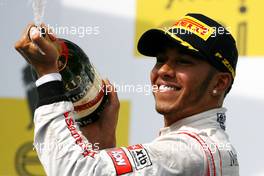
x: 183, y: 83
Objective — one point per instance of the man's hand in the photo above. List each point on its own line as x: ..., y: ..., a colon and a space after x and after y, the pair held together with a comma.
x: 103, y: 130
x: 26, y: 46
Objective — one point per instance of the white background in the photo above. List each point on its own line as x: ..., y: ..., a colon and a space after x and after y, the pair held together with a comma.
x: 111, y: 51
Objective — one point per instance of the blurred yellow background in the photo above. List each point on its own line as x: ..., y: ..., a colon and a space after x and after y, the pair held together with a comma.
x: 242, y: 18
x: 17, y: 154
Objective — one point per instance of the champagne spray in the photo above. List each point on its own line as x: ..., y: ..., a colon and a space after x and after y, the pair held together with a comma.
x: 38, y: 7
x: 38, y: 10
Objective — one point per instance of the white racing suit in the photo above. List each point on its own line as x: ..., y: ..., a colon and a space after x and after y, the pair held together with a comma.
x: 193, y: 146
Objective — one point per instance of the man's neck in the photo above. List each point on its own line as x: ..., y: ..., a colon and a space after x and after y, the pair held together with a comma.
x: 171, y: 118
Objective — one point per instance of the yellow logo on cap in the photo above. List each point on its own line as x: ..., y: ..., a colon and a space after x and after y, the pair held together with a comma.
x: 226, y: 64
x: 194, y: 26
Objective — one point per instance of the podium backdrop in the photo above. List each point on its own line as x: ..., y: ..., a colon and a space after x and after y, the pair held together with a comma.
x: 108, y: 32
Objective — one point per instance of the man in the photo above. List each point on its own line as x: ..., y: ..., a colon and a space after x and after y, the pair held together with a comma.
x: 195, y: 69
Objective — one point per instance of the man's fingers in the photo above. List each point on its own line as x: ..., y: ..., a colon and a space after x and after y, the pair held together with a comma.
x: 52, y: 37
x: 24, y: 40
x: 31, y: 50
x: 34, y: 33
x: 49, y: 32
x: 24, y: 55
x: 23, y: 49
x: 38, y: 39
x: 110, y: 88
x: 112, y: 94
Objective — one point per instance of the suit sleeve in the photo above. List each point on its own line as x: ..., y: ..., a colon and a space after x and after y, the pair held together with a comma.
x: 63, y: 150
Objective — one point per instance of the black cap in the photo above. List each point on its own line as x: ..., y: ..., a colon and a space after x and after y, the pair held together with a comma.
x: 198, y: 34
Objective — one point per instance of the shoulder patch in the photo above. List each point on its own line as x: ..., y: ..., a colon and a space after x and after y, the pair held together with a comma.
x: 140, y: 156
x: 120, y: 160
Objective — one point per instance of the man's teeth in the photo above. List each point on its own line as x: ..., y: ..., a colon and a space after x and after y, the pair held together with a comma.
x: 166, y: 88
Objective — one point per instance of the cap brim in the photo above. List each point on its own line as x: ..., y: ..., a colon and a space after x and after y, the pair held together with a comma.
x: 154, y: 40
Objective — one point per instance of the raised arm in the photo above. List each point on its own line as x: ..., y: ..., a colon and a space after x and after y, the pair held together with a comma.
x: 62, y: 147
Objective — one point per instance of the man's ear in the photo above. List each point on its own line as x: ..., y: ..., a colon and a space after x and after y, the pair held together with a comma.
x: 222, y: 81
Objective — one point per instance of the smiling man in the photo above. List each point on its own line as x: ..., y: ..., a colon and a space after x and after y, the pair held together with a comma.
x: 181, y: 92
x: 195, y: 69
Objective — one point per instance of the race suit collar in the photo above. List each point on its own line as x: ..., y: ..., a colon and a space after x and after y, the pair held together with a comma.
x: 213, y: 118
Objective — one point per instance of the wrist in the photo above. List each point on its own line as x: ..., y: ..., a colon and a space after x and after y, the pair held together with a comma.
x: 109, y: 142
x: 48, y: 78
x: 46, y: 68
x: 46, y: 72
x: 50, y: 92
